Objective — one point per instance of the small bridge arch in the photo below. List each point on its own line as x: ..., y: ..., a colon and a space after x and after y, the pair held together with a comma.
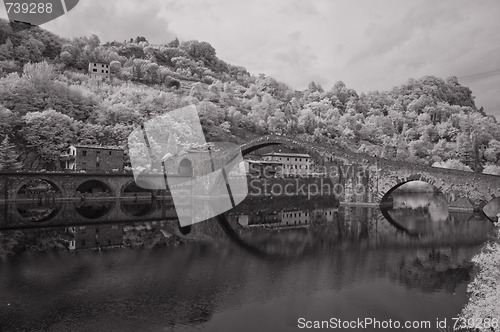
x: 25, y: 181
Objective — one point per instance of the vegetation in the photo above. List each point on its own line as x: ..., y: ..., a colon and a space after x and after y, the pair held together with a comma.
x: 47, y: 102
x: 484, y: 290
x: 8, y: 156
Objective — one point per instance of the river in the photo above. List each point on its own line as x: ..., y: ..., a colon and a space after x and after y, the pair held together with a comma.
x: 288, y: 262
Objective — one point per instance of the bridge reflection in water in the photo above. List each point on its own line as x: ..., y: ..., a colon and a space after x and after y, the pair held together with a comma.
x: 283, y: 227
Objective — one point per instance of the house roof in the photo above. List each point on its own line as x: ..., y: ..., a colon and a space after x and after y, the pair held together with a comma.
x: 262, y: 161
x: 97, y: 147
x: 282, y: 154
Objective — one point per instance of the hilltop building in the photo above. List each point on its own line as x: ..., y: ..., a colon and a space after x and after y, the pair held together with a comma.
x: 92, y: 158
x: 97, y: 69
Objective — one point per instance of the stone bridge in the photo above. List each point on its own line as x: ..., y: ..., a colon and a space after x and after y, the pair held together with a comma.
x: 368, y: 179
x: 361, y: 177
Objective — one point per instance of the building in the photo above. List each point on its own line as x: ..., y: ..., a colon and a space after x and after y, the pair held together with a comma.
x: 292, y: 163
x: 92, y: 158
x: 301, y: 217
x: 99, y: 70
x: 261, y: 168
x: 86, y: 237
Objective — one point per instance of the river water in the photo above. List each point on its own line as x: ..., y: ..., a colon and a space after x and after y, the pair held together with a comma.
x: 284, y: 260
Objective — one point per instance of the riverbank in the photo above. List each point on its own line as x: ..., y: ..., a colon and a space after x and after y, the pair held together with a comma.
x: 484, y: 290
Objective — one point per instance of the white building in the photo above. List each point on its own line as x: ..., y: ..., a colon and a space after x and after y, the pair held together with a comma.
x: 300, y: 217
x: 293, y: 163
x: 99, y: 70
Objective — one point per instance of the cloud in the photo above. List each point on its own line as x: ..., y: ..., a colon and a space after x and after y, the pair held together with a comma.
x: 115, y: 20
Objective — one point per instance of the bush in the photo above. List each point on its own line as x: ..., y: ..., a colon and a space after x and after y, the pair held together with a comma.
x: 491, y: 169
x: 484, y: 291
x: 452, y: 164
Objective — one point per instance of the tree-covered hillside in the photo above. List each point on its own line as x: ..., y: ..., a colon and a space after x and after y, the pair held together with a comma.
x: 46, y: 102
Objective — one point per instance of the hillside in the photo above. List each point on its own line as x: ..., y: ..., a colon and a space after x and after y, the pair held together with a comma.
x: 46, y: 102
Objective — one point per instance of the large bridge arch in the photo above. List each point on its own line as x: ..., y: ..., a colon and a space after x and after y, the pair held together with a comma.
x: 317, y: 154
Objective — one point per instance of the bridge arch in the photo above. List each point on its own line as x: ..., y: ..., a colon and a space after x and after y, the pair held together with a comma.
x: 438, y: 207
x: 318, y: 154
x: 94, y: 211
x: 186, y: 167
x: 26, y: 181
x: 84, y: 185
x: 414, y: 177
x: 136, y: 207
x: 55, y: 213
x: 132, y: 186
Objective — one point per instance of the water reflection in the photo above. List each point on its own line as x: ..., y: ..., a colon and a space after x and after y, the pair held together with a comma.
x: 292, y: 258
x: 416, y: 208
x: 38, y: 212
x: 94, y: 210
x: 492, y: 209
x: 216, y: 286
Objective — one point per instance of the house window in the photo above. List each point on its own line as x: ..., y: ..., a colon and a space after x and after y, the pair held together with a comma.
x: 110, y: 153
x: 94, y: 70
x: 107, y: 66
x: 97, y: 165
x: 84, y: 165
x: 84, y: 153
x: 106, y: 71
x: 95, y: 64
x: 102, y: 71
x: 83, y: 242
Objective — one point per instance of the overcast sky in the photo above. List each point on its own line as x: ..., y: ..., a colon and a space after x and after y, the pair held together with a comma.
x: 369, y: 44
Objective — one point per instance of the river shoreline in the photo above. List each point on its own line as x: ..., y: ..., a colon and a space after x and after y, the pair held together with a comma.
x: 484, y: 290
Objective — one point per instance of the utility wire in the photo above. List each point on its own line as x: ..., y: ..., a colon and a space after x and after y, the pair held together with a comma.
x: 480, y: 75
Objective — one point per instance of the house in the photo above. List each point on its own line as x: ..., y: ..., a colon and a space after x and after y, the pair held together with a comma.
x: 86, y: 237
x: 92, y: 158
x: 261, y: 168
x: 97, y: 69
x: 293, y: 163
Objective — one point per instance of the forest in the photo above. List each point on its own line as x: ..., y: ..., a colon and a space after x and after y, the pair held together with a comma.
x: 47, y: 102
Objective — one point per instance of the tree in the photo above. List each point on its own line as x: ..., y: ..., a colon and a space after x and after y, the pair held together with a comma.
x: 8, y: 156
x: 39, y: 74
x: 6, y: 50
x: 492, y: 153
x: 7, y: 120
x: 174, y: 43
x: 139, y: 39
x: 48, y: 133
